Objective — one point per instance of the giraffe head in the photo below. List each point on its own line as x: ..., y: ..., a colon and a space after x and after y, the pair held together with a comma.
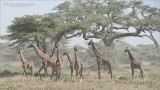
x: 56, y: 46
x: 126, y: 50
x: 90, y: 42
x: 75, y: 48
x: 19, y: 51
x: 31, y: 45
x: 65, y: 53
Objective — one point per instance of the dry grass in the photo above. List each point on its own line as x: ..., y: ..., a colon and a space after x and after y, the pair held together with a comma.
x: 121, y: 81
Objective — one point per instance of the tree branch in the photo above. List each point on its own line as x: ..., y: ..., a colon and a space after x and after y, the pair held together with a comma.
x: 78, y: 33
x: 86, y: 37
x: 120, y: 27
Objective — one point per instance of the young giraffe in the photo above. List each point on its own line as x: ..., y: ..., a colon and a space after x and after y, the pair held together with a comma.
x: 135, y: 64
x: 58, y: 65
x: 72, y: 65
x: 101, y: 60
x: 78, y: 66
x: 26, y: 64
x: 47, y: 61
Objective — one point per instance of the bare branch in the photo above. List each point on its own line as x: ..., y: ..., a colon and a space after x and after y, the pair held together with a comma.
x: 86, y: 37
x: 78, y: 33
x: 120, y: 27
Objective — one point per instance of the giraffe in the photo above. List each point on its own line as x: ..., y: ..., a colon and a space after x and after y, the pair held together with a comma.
x: 101, y: 60
x: 47, y: 61
x: 73, y: 66
x: 135, y: 64
x: 71, y: 62
x: 78, y: 66
x: 26, y: 64
x: 58, y: 64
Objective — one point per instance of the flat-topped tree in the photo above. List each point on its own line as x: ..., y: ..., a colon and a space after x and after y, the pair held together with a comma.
x: 41, y: 29
x: 109, y: 19
x: 135, y: 64
x: 101, y: 60
x: 26, y: 64
x: 47, y: 61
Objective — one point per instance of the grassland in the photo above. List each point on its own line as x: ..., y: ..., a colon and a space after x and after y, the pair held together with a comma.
x: 11, y: 78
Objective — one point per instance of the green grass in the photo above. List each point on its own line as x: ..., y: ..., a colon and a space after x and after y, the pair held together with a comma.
x: 121, y: 80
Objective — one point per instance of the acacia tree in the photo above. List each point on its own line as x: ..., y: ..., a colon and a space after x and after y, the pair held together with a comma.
x: 40, y: 29
x: 108, y: 20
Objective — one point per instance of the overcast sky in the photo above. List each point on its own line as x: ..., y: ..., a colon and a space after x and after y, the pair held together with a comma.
x: 9, y: 9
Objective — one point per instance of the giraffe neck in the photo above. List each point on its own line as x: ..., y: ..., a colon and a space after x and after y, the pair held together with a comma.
x: 39, y: 52
x: 96, y: 52
x: 22, y: 57
x: 69, y: 58
x: 58, y: 55
x: 76, y: 60
x: 130, y: 55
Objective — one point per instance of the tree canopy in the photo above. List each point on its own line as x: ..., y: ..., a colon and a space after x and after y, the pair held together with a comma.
x: 108, y: 20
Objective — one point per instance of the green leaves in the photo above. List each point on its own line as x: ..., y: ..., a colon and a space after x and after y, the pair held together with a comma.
x: 98, y: 19
x: 82, y: 15
x: 26, y: 28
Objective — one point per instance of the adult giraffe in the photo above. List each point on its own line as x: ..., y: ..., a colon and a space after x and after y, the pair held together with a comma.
x: 47, y: 61
x: 101, y: 60
x: 135, y: 64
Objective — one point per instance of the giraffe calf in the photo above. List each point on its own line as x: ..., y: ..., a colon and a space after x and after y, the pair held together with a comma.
x: 26, y: 64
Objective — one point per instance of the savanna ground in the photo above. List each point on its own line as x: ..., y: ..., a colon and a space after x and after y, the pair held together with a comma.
x: 11, y: 78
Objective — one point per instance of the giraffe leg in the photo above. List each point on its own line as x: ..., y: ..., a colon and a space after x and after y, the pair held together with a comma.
x: 99, y: 71
x: 71, y: 74
x: 53, y: 72
x: 110, y: 70
x: 81, y: 74
x: 56, y: 75
x: 40, y: 71
x: 142, y: 74
x: 76, y: 73
x: 132, y: 73
x: 59, y: 74
x: 45, y: 70
x: 25, y: 73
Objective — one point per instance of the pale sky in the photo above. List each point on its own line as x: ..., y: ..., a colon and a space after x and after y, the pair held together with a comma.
x: 9, y: 9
